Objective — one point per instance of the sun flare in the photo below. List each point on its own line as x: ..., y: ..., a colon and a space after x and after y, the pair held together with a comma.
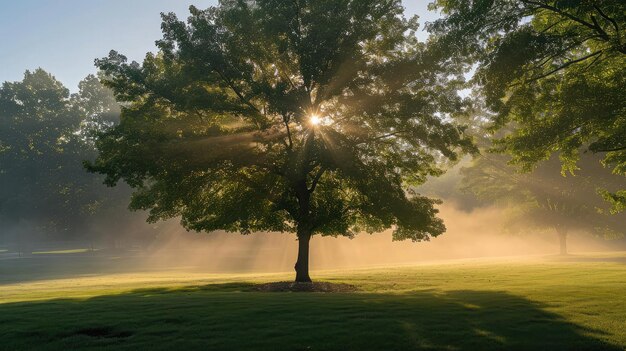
x: 315, y: 120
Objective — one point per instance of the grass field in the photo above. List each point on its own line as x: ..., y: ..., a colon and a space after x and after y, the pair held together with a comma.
x: 577, y: 303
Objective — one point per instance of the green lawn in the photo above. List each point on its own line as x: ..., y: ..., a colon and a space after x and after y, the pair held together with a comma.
x: 549, y: 304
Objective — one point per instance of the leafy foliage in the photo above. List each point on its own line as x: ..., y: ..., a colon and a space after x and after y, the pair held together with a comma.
x: 217, y: 126
x: 44, y: 136
x: 38, y: 149
x: 554, y: 73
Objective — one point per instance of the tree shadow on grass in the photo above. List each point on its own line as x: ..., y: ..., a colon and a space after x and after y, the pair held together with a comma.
x: 234, y: 317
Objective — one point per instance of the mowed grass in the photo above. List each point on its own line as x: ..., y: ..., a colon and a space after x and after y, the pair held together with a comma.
x: 578, y: 303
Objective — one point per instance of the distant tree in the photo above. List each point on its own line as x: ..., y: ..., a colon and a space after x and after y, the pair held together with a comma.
x: 99, y: 112
x: 555, y: 70
x: 38, y: 151
x: 545, y: 199
x: 98, y: 109
x: 311, y: 117
x: 45, y: 137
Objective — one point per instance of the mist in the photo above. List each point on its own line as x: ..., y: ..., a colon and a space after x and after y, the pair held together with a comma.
x: 471, y: 234
x: 134, y: 246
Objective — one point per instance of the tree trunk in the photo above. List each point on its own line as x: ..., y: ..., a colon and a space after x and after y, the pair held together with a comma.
x: 304, y: 231
x: 302, y: 264
x: 562, y: 241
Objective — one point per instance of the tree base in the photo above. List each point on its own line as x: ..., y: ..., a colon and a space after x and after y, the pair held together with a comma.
x: 305, y: 287
x: 303, y: 280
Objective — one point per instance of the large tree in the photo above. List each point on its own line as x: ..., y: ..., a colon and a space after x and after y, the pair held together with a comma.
x: 553, y: 70
x: 312, y: 117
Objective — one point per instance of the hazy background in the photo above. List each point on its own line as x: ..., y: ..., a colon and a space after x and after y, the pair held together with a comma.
x: 65, y: 36
x: 473, y: 234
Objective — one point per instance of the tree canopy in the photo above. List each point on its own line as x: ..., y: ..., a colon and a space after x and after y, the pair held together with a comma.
x: 312, y: 117
x: 45, y: 135
x: 554, y: 73
x: 38, y: 151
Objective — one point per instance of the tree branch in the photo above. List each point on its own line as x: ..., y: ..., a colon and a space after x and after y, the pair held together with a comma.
x: 290, y: 81
x: 563, y: 66
x: 565, y: 50
x: 286, y: 122
x: 621, y: 47
x: 552, y: 26
x: 237, y: 92
x: 620, y: 148
x: 385, y: 135
x: 316, y: 179
x: 560, y: 12
x: 599, y: 28
x: 592, y: 62
x: 607, y: 18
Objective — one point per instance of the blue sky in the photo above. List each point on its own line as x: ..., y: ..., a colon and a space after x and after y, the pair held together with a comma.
x: 65, y: 36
